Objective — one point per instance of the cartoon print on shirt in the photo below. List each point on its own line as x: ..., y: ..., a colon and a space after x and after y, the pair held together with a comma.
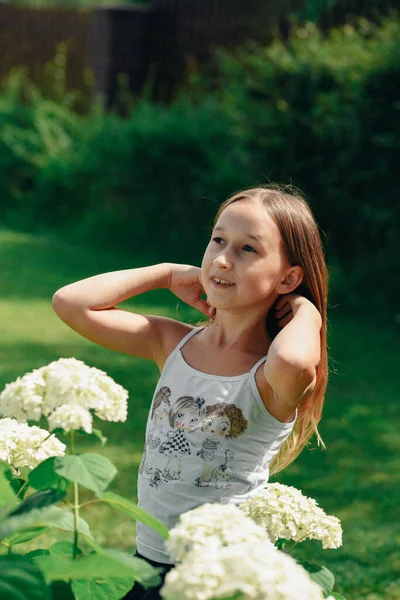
x: 224, y: 421
x: 223, y: 473
x: 184, y: 416
x: 155, y: 479
x: 159, y: 413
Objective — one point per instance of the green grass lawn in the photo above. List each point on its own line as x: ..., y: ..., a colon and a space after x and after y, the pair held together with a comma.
x: 357, y: 477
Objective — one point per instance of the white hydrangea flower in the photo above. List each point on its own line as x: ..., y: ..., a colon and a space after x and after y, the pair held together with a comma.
x: 110, y: 400
x: 70, y: 381
x: 71, y: 416
x: 283, y: 512
x: 256, y: 570
x: 22, y: 399
x: 25, y: 446
x: 65, y: 391
x: 223, y: 523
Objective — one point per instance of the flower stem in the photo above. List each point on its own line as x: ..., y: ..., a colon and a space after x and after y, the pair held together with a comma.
x: 72, y: 441
x: 76, y: 519
x: 90, y: 502
x: 75, y: 506
x: 23, y: 488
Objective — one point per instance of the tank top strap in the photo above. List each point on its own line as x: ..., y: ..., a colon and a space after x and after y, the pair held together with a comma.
x: 257, y: 365
x: 187, y: 338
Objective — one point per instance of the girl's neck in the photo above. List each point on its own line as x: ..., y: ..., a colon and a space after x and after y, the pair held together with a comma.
x: 237, y: 333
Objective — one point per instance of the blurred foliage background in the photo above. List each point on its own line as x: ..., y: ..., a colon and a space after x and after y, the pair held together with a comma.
x: 86, y: 190
x: 317, y: 110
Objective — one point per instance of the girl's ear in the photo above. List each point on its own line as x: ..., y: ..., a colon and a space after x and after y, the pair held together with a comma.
x: 293, y: 278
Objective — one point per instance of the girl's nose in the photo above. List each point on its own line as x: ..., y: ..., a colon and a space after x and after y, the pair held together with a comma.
x: 223, y: 260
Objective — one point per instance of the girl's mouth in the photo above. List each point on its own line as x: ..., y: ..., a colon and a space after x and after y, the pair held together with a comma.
x: 222, y: 282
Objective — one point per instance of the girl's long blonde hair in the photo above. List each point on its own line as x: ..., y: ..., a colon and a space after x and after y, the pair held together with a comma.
x: 302, y: 240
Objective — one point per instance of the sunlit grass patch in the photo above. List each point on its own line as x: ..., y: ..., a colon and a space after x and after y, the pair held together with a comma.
x: 357, y: 478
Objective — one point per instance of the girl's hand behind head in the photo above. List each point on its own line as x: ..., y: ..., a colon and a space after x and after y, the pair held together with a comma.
x: 287, y: 306
x: 283, y: 311
x: 185, y: 283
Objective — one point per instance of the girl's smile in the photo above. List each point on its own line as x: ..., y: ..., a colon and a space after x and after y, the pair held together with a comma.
x: 245, y: 258
x: 221, y: 283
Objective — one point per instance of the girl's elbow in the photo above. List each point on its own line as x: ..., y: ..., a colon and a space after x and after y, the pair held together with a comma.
x: 61, y: 303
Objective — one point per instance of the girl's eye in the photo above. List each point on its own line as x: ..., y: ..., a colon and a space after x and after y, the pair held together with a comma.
x: 217, y: 240
x: 249, y: 248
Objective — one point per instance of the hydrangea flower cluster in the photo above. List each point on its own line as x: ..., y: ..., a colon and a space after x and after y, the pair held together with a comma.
x: 224, y: 553
x: 65, y: 391
x: 25, y: 446
x: 220, y: 524
x: 283, y: 512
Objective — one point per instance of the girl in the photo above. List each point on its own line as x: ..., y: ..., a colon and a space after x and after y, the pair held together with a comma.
x: 263, y: 351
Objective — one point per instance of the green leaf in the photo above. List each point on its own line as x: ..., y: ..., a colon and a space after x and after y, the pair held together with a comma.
x: 38, y: 552
x: 142, y: 571
x: 96, y: 433
x: 61, y: 590
x: 20, y: 579
x: 7, y: 495
x: 50, y: 516
x: 101, y: 589
x: 59, y: 431
x: 92, y: 567
x: 131, y: 509
x: 63, y: 549
x: 92, y: 471
x: 44, y: 476
x: 320, y: 575
x: 280, y: 543
x: 38, y: 500
x: 338, y: 596
x: 17, y: 483
x: 27, y: 535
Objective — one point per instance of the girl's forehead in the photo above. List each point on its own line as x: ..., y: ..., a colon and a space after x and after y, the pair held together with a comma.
x: 249, y: 218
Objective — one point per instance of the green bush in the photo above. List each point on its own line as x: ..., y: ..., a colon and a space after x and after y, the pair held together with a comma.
x: 320, y: 112
x: 146, y: 183
x: 324, y: 114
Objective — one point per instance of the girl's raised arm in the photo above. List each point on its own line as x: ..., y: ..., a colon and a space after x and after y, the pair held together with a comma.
x: 293, y: 357
x: 89, y: 307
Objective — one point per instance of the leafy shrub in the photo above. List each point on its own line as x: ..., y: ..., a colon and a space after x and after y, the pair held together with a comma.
x: 320, y: 112
x: 323, y: 113
x: 148, y: 181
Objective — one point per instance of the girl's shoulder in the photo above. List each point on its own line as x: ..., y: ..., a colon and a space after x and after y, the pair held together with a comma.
x: 173, y: 332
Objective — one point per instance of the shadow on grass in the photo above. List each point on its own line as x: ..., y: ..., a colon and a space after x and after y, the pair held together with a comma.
x: 36, y: 266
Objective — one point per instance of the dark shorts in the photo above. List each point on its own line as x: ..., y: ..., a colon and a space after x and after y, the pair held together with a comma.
x: 138, y: 592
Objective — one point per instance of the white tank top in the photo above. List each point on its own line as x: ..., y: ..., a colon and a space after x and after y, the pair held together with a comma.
x: 208, y: 439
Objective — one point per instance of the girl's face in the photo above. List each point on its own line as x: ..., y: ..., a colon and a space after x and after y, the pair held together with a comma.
x: 217, y: 427
x: 246, y: 251
x: 186, y: 420
x: 161, y: 414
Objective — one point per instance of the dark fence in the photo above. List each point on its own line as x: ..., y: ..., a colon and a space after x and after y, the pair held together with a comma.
x: 163, y: 40
x: 166, y: 39
x: 119, y: 44
x: 29, y: 37
x: 183, y: 32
